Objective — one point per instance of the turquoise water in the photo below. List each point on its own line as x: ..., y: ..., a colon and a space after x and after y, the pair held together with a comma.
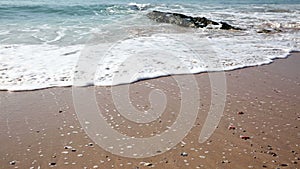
x: 40, y: 21
x: 41, y: 40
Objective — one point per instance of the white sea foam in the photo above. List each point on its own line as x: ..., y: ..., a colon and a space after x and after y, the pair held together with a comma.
x: 27, y: 67
x: 139, y: 6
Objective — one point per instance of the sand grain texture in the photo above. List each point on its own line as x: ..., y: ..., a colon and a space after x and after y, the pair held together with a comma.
x: 40, y: 128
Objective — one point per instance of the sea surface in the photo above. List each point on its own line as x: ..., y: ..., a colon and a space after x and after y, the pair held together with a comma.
x: 43, y: 42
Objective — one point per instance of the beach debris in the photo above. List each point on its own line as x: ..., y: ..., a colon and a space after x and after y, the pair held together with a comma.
x: 271, y: 153
x: 231, y: 127
x: 184, y: 154
x: 79, y: 155
x: 225, y: 161
x: 283, y: 165
x: 146, y: 164
x: 67, y: 147
x: 240, y: 113
x: 244, y: 137
x: 90, y: 144
x: 52, y: 163
x: 73, y: 150
x: 270, y: 147
x: 188, y: 21
x: 12, y: 162
x: 182, y: 144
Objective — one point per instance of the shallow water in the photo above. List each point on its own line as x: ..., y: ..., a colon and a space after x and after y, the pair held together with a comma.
x: 41, y: 41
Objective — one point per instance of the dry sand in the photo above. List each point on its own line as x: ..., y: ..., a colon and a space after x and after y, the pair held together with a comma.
x: 35, y: 126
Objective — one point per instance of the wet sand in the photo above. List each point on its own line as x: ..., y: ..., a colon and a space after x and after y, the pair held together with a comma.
x: 39, y: 129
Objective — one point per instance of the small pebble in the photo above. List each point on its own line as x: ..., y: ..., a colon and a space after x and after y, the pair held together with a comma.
x: 52, y: 163
x: 184, y: 154
x: 225, y: 161
x: 241, y: 112
x: 231, y: 127
x: 245, y: 137
x: 12, y: 162
x: 146, y: 164
x: 67, y: 147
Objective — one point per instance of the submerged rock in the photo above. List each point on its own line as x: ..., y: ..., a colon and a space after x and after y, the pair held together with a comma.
x: 226, y: 26
x: 187, y: 21
x: 268, y: 31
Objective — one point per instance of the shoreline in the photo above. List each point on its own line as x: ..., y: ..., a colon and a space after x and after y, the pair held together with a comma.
x: 291, y: 53
x: 37, y: 125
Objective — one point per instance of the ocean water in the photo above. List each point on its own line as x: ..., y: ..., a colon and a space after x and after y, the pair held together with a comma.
x: 42, y: 41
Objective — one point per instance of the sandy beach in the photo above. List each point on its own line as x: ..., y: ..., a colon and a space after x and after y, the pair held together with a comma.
x: 39, y: 129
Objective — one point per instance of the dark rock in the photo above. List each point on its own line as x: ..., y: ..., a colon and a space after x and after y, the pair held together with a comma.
x: 226, y: 26
x: 283, y: 165
x: 52, y: 163
x: 241, y: 113
x: 186, y: 21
